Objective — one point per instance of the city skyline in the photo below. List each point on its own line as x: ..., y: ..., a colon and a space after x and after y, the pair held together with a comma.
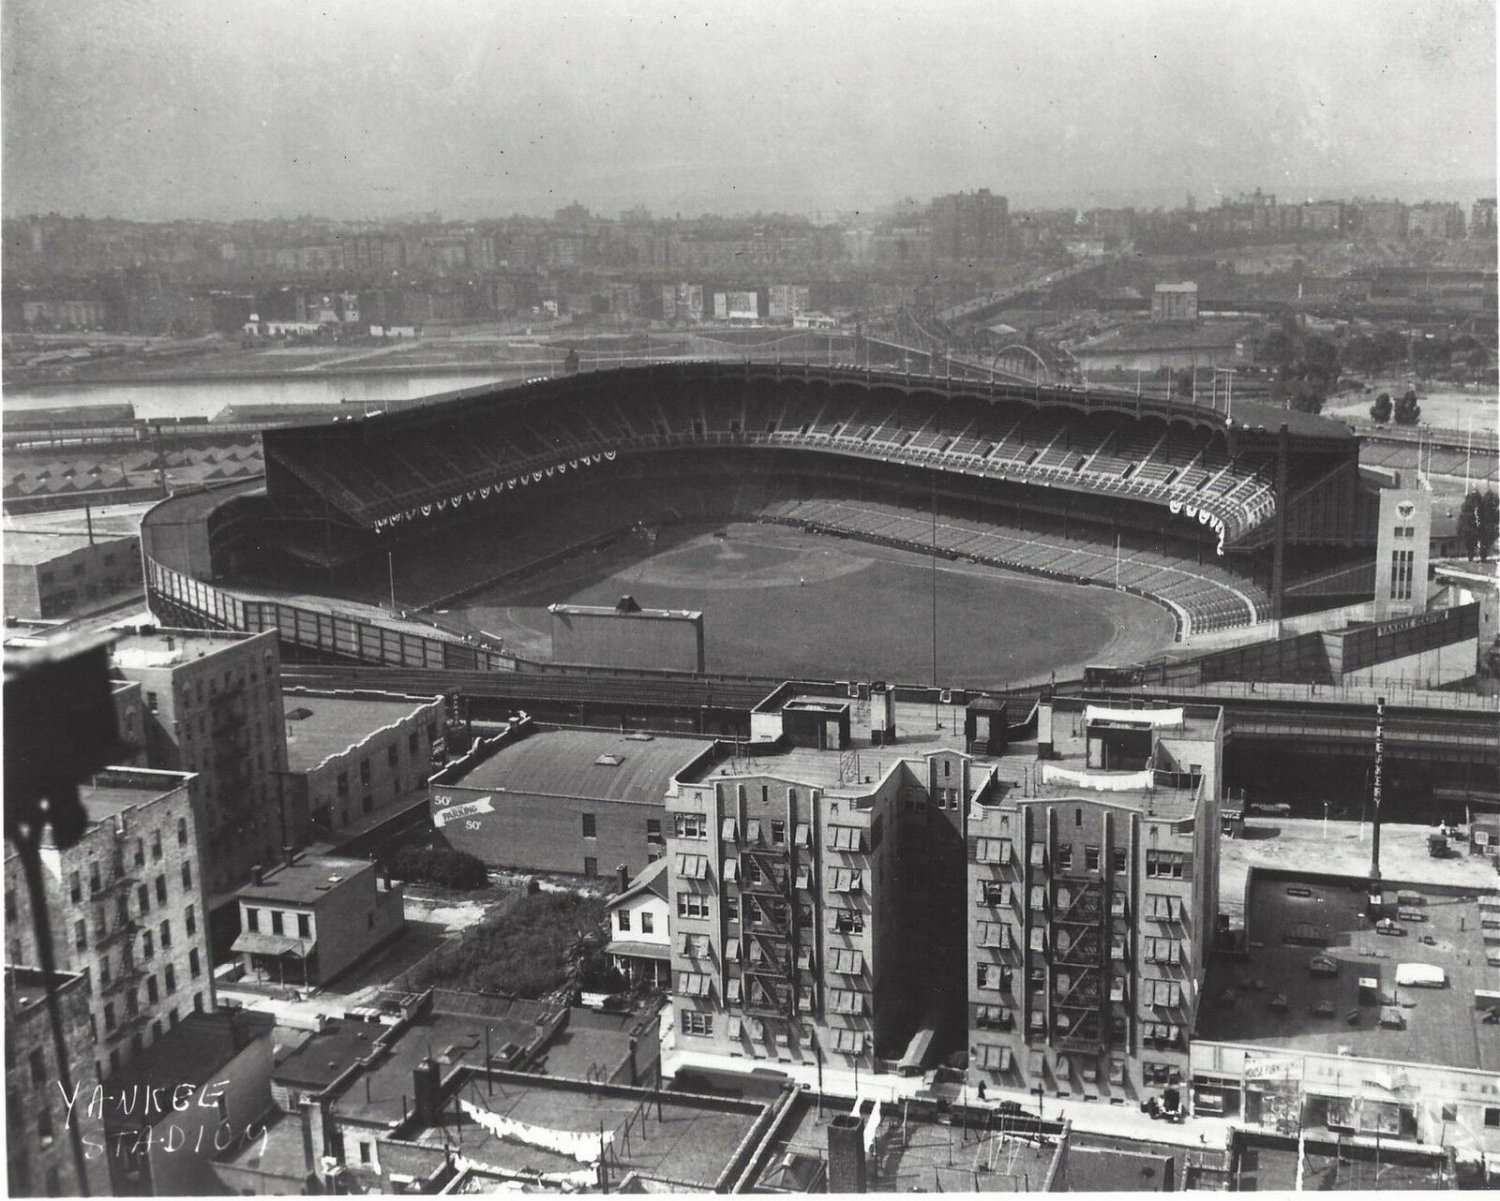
x: 156, y: 112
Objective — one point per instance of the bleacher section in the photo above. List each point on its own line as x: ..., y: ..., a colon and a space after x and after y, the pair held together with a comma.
x: 1138, y: 462
x: 1207, y: 597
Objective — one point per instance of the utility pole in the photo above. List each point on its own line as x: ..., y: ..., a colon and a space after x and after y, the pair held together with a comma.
x: 1375, y: 791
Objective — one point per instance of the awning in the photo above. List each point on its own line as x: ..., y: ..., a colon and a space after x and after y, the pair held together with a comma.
x: 639, y: 950
x: 272, y: 944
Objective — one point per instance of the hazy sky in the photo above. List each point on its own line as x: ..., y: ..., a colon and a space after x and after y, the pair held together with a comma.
x: 243, y: 108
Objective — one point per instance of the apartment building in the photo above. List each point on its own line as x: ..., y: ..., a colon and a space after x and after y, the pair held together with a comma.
x: 214, y: 708
x: 126, y: 912
x: 39, y: 1146
x: 1093, y: 891
x: 815, y: 873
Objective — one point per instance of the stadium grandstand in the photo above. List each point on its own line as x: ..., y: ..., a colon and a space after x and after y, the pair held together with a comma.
x: 1215, y: 516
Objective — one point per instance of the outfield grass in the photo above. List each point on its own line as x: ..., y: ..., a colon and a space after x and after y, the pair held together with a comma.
x: 779, y: 602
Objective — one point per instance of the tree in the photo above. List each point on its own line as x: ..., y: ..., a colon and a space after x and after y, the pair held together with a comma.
x: 1479, y: 523
x: 1407, y: 410
x: 1381, y: 410
x: 1308, y: 400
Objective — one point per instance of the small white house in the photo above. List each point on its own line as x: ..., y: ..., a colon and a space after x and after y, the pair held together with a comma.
x: 640, y: 935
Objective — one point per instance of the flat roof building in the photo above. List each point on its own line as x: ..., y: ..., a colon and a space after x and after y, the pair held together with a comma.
x: 56, y: 575
x: 565, y: 800
x: 1365, y: 1012
x: 353, y: 761
x: 126, y: 911
x: 1093, y: 894
x: 213, y: 707
x: 311, y: 917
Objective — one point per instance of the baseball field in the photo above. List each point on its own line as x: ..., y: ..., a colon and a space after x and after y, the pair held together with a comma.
x: 779, y: 602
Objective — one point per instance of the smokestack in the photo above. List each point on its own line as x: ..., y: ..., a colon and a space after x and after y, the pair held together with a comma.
x: 624, y: 877
x: 1375, y: 791
x: 288, y: 855
x: 258, y: 874
x: 88, y: 517
x: 846, y: 1154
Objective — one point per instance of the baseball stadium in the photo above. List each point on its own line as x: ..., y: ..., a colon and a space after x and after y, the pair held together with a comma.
x: 822, y: 519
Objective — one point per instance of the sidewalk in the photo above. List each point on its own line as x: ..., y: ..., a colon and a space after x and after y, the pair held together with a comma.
x: 1086, y: 1117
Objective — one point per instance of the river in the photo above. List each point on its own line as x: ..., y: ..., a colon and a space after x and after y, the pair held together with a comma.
x: 206, y: 397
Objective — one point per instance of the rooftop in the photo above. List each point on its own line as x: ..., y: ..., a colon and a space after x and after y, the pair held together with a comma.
x: 108, y: 795
x: 168, y: 648
x: 935, y: 1157
x: 1166, y: 335
x: 27, y: 986
x: 690, y: 1139
x: 383, y: 1093
x: 1328, y: 916
x: 591, y: 764
x: 31, y: 548
x: 189, y: 1053
x: 306, y: 881
x: 328, y: 1054
x: 651, y: 878
x: 319, y: 727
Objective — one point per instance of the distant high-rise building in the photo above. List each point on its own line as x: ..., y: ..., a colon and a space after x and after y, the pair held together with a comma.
x: 1436, y: 220
x: 970, y: 227
x: 682, y: 302
x: 1383, y: 218
x: 1174, y: 302
x: 1482, y: 218
x: 789, y: 301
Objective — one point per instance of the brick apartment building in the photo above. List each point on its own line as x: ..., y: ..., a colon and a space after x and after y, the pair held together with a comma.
x: 1093, y: 884
x: 39, y: 1148
x: 214, y: 708
x: 126, y: 912
x: 353, y: 761
x: 56, y: 575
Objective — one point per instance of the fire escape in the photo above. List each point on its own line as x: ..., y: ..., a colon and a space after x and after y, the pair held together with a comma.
x: 768, y: 918
x: 1080, y: 989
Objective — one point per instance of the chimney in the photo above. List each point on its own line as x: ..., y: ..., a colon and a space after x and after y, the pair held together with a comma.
x: 288, y: 855
x: 624, y: 875
x: 257, y: 874
x: 426, y: 1083
x: 846, y: 1154
x: 171, y: 643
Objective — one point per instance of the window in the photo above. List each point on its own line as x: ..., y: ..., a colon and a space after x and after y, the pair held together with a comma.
x: 143, y: 894
x: 187, y: 875
x: 252, y: 920
x: 778, y: 832
x: 653, y: 829
x: 161, y: 887
x: 847, y: 921
x: 590, y: 866
x: 1491, y: 1116
x: 1065, y: 857
x: 153, y: 994
x: 190, y: 920
x: 846, y: 961
x: 845, y: 838
x: 155, y: 846
x: 304, y: 925
x: 75, y: 891
x: 1166, y: 865
x: 694, y: 1022
x: 171, y: 974
x: 1091, y: 859
x: 989, y: 976
x: 364, y: 1151
x: 195, y: 966
x: 1401, y: 574
x: 692, y: 867
x: 182, y: 831
x: 148, y: 944
x: 995, y: 935
x: 623, y: 920
x: 648, y: 923
x: 590, y: 830
x: 692, y: 904
x: 342, y: 784
x: 80, y: 935
x: 842, y: 879
x: 276, y: 922
x: 166, y: 935
x: 95, y: 881
x: 140, y: 853
x: 364, y: 770
x: 690, y: 825
x: 110, y: 1021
